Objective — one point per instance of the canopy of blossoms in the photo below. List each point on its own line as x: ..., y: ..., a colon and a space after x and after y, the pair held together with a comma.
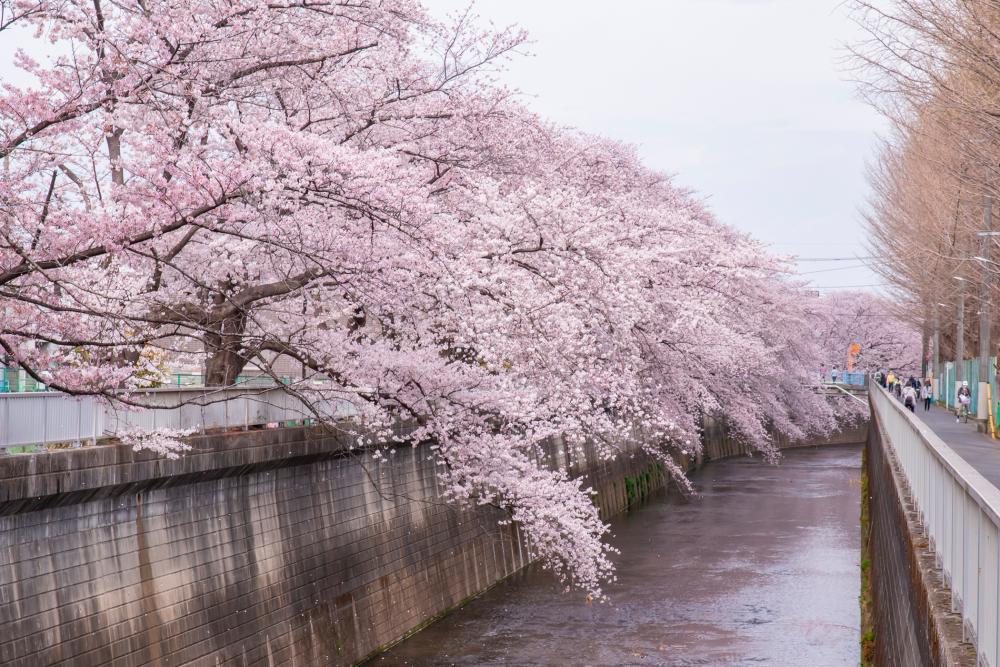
x: 881, y: 340
x: 345, y: 184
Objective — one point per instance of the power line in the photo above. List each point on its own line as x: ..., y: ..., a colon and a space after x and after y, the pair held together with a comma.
x: 846, y: 286
x: 839, y: 268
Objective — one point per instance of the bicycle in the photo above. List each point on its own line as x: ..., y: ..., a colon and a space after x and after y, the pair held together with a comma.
x: 962, y: 413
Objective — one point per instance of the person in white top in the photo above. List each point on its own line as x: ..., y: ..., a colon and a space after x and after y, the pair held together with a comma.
x: 964, y: 399
x: 909, y: 397
x: 925, y: 394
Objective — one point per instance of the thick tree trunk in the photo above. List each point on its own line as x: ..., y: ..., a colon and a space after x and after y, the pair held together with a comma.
x: 226, y: 354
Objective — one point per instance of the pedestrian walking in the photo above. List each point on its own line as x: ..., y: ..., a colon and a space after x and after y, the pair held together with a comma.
x: 833, y: 374
x: 926, y: 393
x: 964, y: 399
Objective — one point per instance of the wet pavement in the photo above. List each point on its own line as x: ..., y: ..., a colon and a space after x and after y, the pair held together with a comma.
x: 760, y: 569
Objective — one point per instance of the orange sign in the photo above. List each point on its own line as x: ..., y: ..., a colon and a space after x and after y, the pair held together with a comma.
x: 852, y: 352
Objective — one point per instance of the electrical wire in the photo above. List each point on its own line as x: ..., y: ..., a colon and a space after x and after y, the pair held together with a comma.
x: 838, y: 268
x: 846, y: 286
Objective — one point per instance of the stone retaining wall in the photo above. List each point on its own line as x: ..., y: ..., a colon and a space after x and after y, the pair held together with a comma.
x: 274, y: 547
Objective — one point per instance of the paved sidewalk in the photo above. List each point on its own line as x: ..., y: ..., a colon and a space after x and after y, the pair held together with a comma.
x: 981, y: 451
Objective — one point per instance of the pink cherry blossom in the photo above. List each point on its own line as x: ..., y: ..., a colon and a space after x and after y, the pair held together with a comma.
x: 345, y: 185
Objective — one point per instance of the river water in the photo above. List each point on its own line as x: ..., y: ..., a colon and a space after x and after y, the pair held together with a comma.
x: 761, y: 568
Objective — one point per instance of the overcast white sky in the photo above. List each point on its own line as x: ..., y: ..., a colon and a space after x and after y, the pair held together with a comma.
x: 746, y: 101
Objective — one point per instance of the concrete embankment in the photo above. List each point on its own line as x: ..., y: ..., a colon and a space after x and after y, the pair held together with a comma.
x: 264, y: 547
x: 267, y: 547
x: 912, y: 619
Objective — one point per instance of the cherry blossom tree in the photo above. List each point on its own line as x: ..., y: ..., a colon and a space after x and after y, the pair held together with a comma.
x: 885, y: 341
x: 344, y: 184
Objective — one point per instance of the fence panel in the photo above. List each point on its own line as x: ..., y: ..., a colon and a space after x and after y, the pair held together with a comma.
x: 960, y: 511
x: 43, y: 418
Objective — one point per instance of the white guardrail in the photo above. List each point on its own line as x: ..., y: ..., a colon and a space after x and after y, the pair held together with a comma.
x: 42, y: 418
x: 960, y: 511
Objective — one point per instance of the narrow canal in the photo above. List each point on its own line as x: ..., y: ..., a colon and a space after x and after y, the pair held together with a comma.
x: 760, y: 568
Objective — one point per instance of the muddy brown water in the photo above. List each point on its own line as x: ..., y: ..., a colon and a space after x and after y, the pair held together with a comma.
x: 761, y: 568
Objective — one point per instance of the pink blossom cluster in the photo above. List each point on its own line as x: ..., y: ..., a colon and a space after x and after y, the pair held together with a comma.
x: 885, y: 341
x: 346, y: 185
x: 167, y: 442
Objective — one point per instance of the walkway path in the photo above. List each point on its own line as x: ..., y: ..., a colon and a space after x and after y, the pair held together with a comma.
x: 978, y: 449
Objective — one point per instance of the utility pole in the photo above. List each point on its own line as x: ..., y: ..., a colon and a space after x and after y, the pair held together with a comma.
x: 936, y: 368
x: 925, y: 346
x: 985, y: 314
x: 960, y: 333
x: 985, y: 319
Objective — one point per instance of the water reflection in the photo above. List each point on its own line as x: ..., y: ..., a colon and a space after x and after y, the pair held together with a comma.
x: 761, y: 568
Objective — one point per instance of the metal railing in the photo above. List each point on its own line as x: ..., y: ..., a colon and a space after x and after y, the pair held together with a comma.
x: 47, y: 418
x: 960, y: 513
x: 846, y: 392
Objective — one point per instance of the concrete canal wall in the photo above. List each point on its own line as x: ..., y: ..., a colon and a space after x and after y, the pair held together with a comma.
x: 911, y: 601
x: 271, y: 547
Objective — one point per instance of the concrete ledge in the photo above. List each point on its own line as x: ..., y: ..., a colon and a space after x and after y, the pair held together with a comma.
x: 35, y: 481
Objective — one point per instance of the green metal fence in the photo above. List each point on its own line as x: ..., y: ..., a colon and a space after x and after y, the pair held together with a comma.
x: 14, y: 380
x: 970, y: 371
